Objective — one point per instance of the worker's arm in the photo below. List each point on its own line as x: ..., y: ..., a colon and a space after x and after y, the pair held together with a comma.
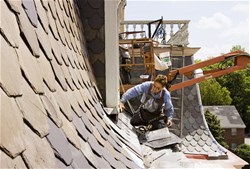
x: 135, y: 91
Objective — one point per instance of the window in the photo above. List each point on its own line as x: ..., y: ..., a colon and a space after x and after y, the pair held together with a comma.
x: 233, y: 146
x: 233, y: 131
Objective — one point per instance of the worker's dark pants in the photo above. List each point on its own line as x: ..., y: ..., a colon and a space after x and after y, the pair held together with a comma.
x: 144, y: 117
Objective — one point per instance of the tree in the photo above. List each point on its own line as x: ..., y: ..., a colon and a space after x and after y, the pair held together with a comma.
x: 243, y: 151
x: 238, y: 83
x: 237, y: 47
x: 215, y: 128
x: 213, y: 94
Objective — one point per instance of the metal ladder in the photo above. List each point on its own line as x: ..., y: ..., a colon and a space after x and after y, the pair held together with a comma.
x: 178, y: 96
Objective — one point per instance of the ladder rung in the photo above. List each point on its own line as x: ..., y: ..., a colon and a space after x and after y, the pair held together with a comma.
x: 178, y: 78
x: 175, y: 98
x: 173, y: 129
x: 179, y: 58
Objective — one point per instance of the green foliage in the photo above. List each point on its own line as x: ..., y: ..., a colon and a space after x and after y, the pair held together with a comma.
x: 243, y: 151
x: 213, y: 94
x: 237, y: 47
x: 197, y: 60
x: 215, y: 128
x: 238, y: 83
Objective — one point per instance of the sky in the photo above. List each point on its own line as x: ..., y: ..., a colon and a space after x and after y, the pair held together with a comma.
x: 215, y: 26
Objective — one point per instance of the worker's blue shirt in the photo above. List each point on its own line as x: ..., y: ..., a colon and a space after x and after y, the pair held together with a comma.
x: 149, y: 105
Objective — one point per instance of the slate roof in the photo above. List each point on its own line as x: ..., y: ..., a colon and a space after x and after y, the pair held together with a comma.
x: 51, y: 115
x: 50, y: 112
x: 228, y: 115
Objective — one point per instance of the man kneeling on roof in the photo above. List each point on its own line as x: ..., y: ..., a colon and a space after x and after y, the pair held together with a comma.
x: 156, y: 103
